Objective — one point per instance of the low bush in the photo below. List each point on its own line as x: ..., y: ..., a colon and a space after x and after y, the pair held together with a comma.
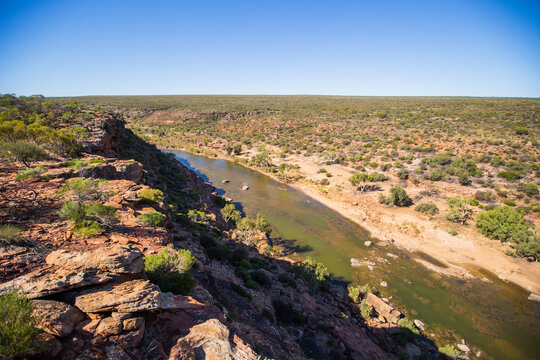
x: 168, y: 270
x: 10, y: 235
x: 315, y: 274
x: 398, y: 197
x: 260, y: 277
x: 25, y: 152
x: 76, y: 164
x: 450, y: 351
x: 427, y: 208
x: 241, y: 291
x: 485, y: 196
x: 18, y: 330
x: 219, y: 252
x: 31, y: 173
x: 152, y: 218
x: 286, y: 314
x: 459, y: 210
x: 354, y: 293
x: 365, y: 309
x: 510, y: 175
x: 408, y: 324
x: 531, y: 189
x: 239, y: 254
x: 150, y: 195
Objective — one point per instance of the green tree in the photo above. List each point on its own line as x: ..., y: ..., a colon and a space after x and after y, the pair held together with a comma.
x: 262, y: 224
x: 229, y: 212
x: 459, y: 210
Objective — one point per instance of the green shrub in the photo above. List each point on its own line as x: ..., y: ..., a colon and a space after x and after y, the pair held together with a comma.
x: 87, y: 229
x: 354, y: 293
x: 365, y: 309
x: 262, y: 224
x: 150, y: 195
x: 239, y: 254
x: 229, y: 212
x: 25, y: 152
x: 427, y: 208
x: 436, y: 175
x: 399, y: 197
x: 510, y: 175
x: 76, y: 164
x: 403, y: 174
x: 324, y: 182
x: 268, y: 314
x: 530, y: 189
x: 31, y: 173
x: 168, y: 270
x: 366, y: 289
x: 408, y: 324
x: 450, y: 351
x: 17, y: 325
x: 483, y: 196
x: 87, y: 218
x: 219, y: 252
x: 459, y: 210
x: 241, y: 291
x: 509, y: 202
x: 152, y: 218
x: 315, y: 274
x: 96, y: 161
x: 10, y: 235
x: 285, y: 313
x: 260, y: 277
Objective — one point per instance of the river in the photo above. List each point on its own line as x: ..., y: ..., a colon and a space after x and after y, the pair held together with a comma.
x: 493, y: 316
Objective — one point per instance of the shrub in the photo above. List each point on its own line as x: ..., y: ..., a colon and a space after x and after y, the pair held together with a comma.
x: 150, y: 195
x: 459, y: 211
x: 483, y: 196
x: 83, y: 189
x: 239, y: 254
x: 354, y: 292
x: 10, y: 235
x: 262, y: 224
x: 408, y: 324
x: 450, y: 351
x: 32, y: 173
x: 219, y: 252
x: 268, y: 314
x: 241, y: 291
x: 399, y: 197
x: 436, y: 175
x: 427, y: 208
x: 530, y: 189
x: 25, y: 152
x: 87, y: 230
x: 17, y: 325
x: 365, y: 309
x: 315, y: 274
x: 76, y: 164
x: 168, y: 270
x: 324, y: 182
x: 87, y: 217
x: 285, y: 313
x: 509, y: 202
x: 403, y: 174
x: 229, y: 212
x: 510, y: 175
x: 261, y: 277
x: 152, y: 218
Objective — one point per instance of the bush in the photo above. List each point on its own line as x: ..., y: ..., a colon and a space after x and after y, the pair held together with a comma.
x: 87, y: 217
x: 76, y: 164
x: 427, y: 208
x: 241, y: 291
x: 365, y: 309
x: 17, y: 325
x: 450, y: 351
x: 25, y: 152
x: 510, y: 175
x: 315, y: 274
x: 436, y: 175
x: 408, y: 324
x: 168, y: 270
x: 403, y: 174
x: 150, y: 195
x: 33, y: 173
x: 399, y: 197
x: 261, y: 277
x: 285, y: 313
x: 152, y: 218
x: 354, y: 293
x: 239, y: 254
x: 262, y: 224
x: 509, y: 202
x: 459, y: 211
x: 219, y: 252
x: 10, y: 235
x: 530, y: 189
x: 483, y: 196
x: 324, y: 182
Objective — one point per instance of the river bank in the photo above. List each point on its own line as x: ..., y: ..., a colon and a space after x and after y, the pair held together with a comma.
x: 460, y: 255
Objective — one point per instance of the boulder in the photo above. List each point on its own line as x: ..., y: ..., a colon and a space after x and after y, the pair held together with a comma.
x: 66, y: 270
x: 109, y: 326
x: 368, y: 243
x: 129, y: 296
x: 534, y: 297
x: 132, y: 339
x: 419, y: 324
x: 56, y: 318
x: 209, y: 341
x: 388, y: 312
x: 133, y: 324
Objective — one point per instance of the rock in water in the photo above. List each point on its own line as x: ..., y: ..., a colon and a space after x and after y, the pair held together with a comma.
x: 419, y: 324
x: 534, y: 297
x: 368, y: 243
x: 245, y: 187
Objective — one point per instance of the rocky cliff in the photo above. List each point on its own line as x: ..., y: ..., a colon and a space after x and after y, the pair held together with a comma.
x: 94, y: 300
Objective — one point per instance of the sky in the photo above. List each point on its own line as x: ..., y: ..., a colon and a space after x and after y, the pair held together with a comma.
x: 333, y: 47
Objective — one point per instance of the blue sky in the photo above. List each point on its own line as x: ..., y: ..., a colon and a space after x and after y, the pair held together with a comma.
x: 334, y: 47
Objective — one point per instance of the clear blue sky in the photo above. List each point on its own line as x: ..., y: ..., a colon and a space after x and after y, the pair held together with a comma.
x: 432, y: 47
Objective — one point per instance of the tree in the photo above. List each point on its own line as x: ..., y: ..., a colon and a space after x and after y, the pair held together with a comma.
x: 360, y: 179
x: 262, y: 224
x: 460, y: 210
x: 237, y: 149
x: 25, y: 152
x: 229, y: 212
x: 247, y: 227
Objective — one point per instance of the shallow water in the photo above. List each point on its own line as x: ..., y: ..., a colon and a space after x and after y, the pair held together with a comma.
x: 493, y: 316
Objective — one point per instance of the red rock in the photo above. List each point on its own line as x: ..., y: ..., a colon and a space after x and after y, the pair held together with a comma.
x: 56, y: 318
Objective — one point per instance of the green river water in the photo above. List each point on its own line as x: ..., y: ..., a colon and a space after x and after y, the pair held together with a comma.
x: 493, y: 316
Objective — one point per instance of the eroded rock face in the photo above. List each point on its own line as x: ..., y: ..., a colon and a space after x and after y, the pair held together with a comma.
x: 209, y: 340
x: 56, y: 318
x: 119, y: 170
x: 69, y: 270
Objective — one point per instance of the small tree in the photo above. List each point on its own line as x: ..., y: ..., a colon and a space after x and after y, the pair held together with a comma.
x: 262, y: 224
x: 229, y: 212
x: 247, y: 227
x: 25, y: 152
x: 460, y: 210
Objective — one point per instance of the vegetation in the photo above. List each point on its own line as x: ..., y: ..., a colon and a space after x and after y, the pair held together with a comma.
x: 315, y: 274
x: 168, y: 270
x: 31, y: 173
x: 152, y: 218
x: 427, y: 208
x: 10, y: 235
x: 398, y: 197
x: 285, y: 313
x: 508, y: 225
x: 150, y: 195
x: 450, y: 351
x: 354, y: 293
x: 17, y: 325
x: 459, y: 210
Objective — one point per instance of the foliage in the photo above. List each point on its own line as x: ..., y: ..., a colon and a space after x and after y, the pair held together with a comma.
x: 285, y: 313
x: 152, y: 218
x: 360, y: 179
x: 398, y: 197
x: 229, y: 213
x: 25, y: 152
x: 31, y: 173
x: 485, y: 196
x: 219, y: 252
x: 408, y: 324
x: 10, y: 235
x: 450, y: 351
x: 508, y: 225
x: 150, y: 195
x: 365, y: 309
x: 262, y: 224
x: 530, y: 189
x: 168, y: 270
x: 354, y: 292
x: 459, y: 210
x: 260, y: 277
x: 510, y: 175
x: 427, y: 208
x: 315, y: 274
x: 76, y: 164
x: 17, y: 325
x: 88, y: 218
x: 241, y: 291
